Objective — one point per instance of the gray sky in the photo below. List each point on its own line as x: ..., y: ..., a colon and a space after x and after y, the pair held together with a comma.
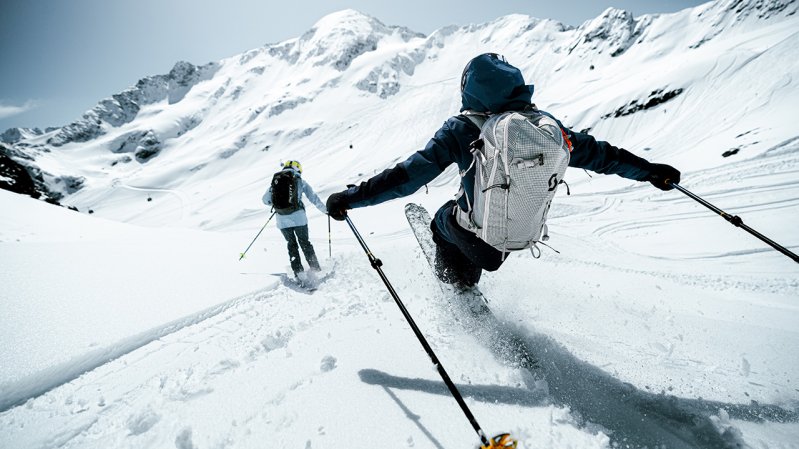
x: 58, y: 58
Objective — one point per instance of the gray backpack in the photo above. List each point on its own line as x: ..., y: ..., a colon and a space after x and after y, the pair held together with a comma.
x: 520, y: 159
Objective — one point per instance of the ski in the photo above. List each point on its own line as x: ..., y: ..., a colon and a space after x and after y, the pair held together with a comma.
x: 470, y: 305
x: 308, y: 285
x: 471, y: 298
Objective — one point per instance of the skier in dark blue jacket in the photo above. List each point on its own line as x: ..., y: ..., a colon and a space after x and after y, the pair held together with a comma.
x: 488, y: 85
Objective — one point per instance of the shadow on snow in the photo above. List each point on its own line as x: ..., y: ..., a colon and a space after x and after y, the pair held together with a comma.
x: 631, y: 417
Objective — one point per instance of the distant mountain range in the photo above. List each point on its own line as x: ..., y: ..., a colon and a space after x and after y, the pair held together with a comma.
x: 685, y: 87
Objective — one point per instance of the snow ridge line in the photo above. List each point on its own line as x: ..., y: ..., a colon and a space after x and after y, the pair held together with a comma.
x: 180, y: 195
x: 18, y: 392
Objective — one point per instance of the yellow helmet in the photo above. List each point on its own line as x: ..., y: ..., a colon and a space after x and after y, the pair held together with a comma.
x: 293, y: 164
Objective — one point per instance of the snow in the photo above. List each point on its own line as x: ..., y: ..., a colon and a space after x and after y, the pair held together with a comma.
x: 656, y: 323
x: 80, y: 291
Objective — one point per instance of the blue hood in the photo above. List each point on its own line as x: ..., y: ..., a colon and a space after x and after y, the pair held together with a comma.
x: 490, y: 84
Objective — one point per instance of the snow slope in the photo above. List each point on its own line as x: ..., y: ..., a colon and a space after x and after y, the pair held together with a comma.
x: 79, y: 291
x: 314, y: 370
x: 658, y: 323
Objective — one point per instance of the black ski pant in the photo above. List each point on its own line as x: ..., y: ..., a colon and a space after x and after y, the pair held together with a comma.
x: 461, y: 256
x: 293, y: 235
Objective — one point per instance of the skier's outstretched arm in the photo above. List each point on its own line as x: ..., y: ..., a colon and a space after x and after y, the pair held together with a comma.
x: 311, y: 195
x: 401, y: 180
x: 602, y: 157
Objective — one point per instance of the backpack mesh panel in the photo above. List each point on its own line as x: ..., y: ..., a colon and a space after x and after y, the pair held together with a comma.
x: 513, y: 218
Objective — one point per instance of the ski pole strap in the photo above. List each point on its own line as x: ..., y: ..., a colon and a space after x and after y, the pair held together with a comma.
x: 376, y: 264
x: 737, y: 222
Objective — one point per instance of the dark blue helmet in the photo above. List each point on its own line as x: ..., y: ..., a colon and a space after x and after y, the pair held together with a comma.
x: 490, y: 84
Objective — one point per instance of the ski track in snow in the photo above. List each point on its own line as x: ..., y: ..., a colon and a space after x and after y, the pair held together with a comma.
x: 241, y: 345
x: 41, y: 383
x: 235, y: 336
x: 113, y: 388
x: 631, y: 416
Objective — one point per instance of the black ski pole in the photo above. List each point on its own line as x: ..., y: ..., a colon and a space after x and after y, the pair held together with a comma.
x: 376, y: 264
x: 256, y: 235
x: 738, y: 222
x: 329, y: 240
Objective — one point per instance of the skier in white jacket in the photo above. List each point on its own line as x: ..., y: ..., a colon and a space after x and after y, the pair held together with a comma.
x: 292, y: 221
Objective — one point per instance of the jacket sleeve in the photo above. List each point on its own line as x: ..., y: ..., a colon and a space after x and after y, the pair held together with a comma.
x: 267, y: 198
x: 409, y: 176
x: 309, y: 193
x: 602, y: 157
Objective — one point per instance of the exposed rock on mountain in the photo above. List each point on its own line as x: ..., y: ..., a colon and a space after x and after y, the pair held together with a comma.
x: 611, y: 33
x: 22, y: 178
x: 14, y: 135
x: 123, y: 108
x: 655, y: 98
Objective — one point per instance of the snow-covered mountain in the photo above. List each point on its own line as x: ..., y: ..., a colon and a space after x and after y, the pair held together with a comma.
x: 655, y: 84
x: 657, y: 324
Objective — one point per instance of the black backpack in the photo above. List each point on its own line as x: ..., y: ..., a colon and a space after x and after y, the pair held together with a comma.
x: 285, y: 192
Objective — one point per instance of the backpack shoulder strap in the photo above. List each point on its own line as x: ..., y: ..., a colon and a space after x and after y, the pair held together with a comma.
x: 478, y: 118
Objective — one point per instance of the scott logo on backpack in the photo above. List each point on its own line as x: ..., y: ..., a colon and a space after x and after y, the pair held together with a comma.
x: 553, y: 182
x: 285, y: 192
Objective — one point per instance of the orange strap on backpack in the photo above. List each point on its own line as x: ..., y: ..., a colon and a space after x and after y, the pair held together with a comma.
x: 566, y: 138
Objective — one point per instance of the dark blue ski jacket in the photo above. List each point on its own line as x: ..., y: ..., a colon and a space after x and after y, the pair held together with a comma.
x: 450, y: 145
x: 488, y: 85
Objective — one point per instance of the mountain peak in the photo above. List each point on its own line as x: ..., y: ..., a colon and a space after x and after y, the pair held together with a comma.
x: 338, y: 38
x: 612, y: 32
x: 610, y: 17
x: 347, y: 20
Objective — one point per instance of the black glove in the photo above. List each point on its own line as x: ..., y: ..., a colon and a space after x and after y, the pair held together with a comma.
x: 337, y: 206
x: 662, y: 176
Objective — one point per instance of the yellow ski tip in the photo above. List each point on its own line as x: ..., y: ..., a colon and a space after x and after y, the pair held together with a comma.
x: 501, y: 441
